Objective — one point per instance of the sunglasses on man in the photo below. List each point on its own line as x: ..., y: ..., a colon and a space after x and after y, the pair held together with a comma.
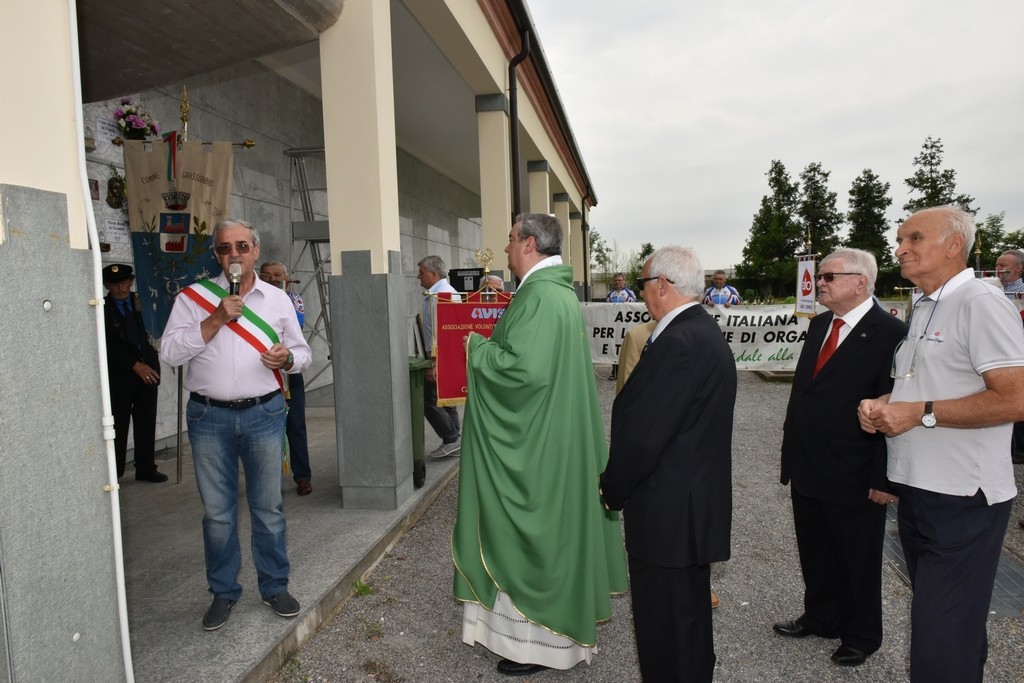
x: 225, y: 248
x: 829, y: 277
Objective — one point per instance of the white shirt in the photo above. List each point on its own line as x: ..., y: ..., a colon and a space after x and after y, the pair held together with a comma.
x: 957, y: 334
x: 669, y: 317
x: 430, y: 309
x: 228, y: 367
x: 850, y: 320
x: 555, y: 260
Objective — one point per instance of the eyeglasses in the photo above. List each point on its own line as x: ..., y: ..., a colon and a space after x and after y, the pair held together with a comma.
x: 907, y: 370
x: 225, y: 248
x: 829, y: 277
x: 640, y: 281
x: 903, y: 368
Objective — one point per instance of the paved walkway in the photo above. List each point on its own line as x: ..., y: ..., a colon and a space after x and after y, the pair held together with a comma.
x: 409, y: 627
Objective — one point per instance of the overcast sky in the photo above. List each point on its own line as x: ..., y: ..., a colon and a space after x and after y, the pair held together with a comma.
x: 679, y: 107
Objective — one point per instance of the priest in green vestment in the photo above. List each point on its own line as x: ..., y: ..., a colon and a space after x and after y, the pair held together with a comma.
x: 536, y: 554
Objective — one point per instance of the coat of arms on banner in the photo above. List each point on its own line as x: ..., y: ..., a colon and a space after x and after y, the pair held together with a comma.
x: 176, y: 195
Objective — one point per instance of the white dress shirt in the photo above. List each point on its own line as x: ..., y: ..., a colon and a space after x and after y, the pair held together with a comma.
x: 228, y: 367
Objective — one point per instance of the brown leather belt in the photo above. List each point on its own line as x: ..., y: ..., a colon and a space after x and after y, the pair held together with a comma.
x: 237, y: 404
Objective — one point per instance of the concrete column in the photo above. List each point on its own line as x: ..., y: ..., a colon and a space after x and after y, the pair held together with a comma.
x: 495, y: 173
x: 540, y: 185
x: 359, y: 133
x: 367, y: 287
x: 581, y: 252
x: 560, y: 207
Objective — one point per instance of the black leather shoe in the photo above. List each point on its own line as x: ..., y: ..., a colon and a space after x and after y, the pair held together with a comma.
x: 154, y: 476
x: 218, y: 614
x: 849, y: 656
x: 510, y: 668
x: 791, y: 629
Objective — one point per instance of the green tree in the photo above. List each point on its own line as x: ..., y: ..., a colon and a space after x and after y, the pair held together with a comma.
x: 600, y: 253
x: 935, y: 186
x: 636, y: 265
x: 775, y: 236
x: 817, y: 210
x: 869, y: 200
x: 992, y: 240
x: 1015, y: 239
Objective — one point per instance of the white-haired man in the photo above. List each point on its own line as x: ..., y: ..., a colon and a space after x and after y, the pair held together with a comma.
x: 670, y: 470
x: 836, y: 471
x: 948, y: 421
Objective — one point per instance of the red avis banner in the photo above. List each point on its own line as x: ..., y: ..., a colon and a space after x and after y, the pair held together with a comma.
x: 454, y: 321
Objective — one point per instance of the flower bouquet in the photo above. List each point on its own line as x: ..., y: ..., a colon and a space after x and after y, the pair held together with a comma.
x: 135, y: 122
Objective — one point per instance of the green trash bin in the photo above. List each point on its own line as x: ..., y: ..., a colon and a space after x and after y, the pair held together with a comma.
x: 417, y: 370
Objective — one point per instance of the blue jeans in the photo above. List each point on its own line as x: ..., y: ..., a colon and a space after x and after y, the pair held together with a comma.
x: 298, y: 443
x: 220, y: 437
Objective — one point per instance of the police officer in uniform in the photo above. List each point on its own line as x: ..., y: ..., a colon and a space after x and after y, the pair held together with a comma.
x: 133, y: 368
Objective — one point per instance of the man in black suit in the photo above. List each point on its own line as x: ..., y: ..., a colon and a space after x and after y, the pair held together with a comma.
x: 133, y: 368
x: 837, y: 470
x: 670, y: 469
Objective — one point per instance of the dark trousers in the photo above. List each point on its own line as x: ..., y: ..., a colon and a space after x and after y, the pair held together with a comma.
x: 445, y: 421
x: 672, y: 622
x: 295, y: 427
x: 132, y: 401
x: 952, y: 545
x: 841, y: 561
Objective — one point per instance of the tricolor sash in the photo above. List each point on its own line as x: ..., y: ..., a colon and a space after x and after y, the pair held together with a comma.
x: 250, y: 327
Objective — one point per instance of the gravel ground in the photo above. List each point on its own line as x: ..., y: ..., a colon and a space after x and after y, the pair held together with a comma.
x: 408, y: 626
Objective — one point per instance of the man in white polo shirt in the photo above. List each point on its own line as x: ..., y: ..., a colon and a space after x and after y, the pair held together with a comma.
x: 956, y: 393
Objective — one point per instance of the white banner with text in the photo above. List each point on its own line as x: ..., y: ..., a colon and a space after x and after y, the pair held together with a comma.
x: 761, y: 337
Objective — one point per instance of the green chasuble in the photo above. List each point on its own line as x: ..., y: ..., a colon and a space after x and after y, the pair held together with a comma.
x: 530, y: 520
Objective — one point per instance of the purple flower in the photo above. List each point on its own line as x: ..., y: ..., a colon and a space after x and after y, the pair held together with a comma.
x: 126, y: 100
x: 136, y: 122
x: 156, y: 128
x: 118, y: 114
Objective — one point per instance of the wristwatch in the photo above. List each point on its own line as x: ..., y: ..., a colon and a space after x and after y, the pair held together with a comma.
x: 290, y: 359
x: 928, y: 419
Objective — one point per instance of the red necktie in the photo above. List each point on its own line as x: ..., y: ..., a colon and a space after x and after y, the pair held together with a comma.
x: 830, y: 346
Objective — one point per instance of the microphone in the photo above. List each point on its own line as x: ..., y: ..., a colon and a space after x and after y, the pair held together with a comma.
x: 234, y: 278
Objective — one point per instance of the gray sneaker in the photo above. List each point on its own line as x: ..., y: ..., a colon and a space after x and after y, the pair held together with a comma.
x: 446, y: 450
x: 284, y: 604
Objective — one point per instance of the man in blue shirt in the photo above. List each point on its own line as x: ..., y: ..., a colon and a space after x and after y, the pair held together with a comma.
x: 276, y: 274
x: 719, y: 293
x: 620, y: 294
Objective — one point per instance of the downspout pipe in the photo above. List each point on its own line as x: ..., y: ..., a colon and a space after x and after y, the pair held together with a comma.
x: 585, y: 227
x: 513, y: 112
x: 101, y: 335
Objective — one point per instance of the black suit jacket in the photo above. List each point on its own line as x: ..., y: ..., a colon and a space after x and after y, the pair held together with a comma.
x: 825, y: 453
x: 670, y: 465
x: 121, y: 353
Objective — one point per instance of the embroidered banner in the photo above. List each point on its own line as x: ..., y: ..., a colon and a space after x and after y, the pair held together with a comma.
x: 454, y: 321
x: 806, y: 298
x: 761, y: 337
x: 174, y: 200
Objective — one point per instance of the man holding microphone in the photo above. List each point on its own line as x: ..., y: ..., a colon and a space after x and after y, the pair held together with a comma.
x: 235, y: 347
